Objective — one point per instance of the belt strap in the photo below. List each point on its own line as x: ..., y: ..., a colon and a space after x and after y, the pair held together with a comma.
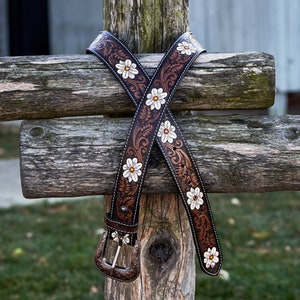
x: 153, y: 120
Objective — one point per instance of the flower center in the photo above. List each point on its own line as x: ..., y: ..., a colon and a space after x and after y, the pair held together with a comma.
x: 195, y: 198
x: 127, y: 68
x: 155, y: 98
x: 211, y: 257
x: 166, y: 131
x: 131, y: 169
x: 186, y: 47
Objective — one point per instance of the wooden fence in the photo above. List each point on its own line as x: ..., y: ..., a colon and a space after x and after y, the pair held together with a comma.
x: 63, y: 157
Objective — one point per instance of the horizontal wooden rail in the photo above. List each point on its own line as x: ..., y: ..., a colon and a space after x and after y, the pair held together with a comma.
x: 36, y: 87
x: 80, y: 156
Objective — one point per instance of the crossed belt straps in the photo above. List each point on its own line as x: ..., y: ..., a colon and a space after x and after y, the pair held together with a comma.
x: 153, y: 121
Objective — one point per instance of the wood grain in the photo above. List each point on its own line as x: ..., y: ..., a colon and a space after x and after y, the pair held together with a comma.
x: 80, y: 156
x: 168, y: 253
x: 148, y: 26
x: 36, y: 87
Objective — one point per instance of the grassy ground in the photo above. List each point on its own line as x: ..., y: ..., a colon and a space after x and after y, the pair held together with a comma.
x: 9, y: 140
x: 260, y: 239
x: 47, y: 250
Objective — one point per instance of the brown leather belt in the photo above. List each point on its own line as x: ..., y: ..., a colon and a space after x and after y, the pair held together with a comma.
x: 153, y: 122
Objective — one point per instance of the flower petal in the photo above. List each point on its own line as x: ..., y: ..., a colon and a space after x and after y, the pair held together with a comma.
x: 157, y: 105
x: 126, y: 173
x: 159, y: 91
x: 138, y: 166
x: 127, y: 63
x: 162, y: 95
x: 149, y: 102
x: 154, y: 92
x: 134, y: 176
x: 215, y: 259
x: 129, y: 162
x: 160, y: 132
x: 167, y: 124
x: 164, y: 138
x: 172, y: 135
x: 190, y: 194
x: 134, y: 71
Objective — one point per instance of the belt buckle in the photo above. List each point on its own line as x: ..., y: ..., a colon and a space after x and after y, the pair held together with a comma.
x: 113, y: 271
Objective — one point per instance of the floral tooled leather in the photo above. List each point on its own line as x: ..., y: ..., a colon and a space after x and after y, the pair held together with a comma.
x: 153, y: 120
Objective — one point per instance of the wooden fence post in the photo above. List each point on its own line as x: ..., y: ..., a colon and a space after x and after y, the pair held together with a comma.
x: 167, y: 257
x: 235, y: 153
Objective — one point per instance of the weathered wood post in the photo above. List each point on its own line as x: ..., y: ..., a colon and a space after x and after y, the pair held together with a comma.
x: 167, y: 257
x: 234, y: 153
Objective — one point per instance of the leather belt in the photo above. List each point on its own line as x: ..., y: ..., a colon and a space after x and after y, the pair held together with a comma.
x: 153, y: 121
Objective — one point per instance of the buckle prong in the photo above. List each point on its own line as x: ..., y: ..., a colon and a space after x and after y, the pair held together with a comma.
x: 113, y: 271
x: 117, y: 254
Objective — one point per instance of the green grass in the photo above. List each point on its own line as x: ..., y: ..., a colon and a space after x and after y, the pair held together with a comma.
x: 9, y: 140
x: 260, y: 241
x: 47, y: 250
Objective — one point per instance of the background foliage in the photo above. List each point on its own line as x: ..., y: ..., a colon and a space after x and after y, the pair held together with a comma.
x: 47, y: 250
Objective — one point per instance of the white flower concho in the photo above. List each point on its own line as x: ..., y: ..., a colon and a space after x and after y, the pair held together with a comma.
x: 127, y: 69
x: 156, y: 98
x: 132, y: 169
x: 167, y: 132
x: 186, y: 48
x: 195, y: 198
x: 211, y: 257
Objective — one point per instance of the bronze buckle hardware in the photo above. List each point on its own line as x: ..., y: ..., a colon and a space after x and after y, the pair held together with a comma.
x: 111, y: 270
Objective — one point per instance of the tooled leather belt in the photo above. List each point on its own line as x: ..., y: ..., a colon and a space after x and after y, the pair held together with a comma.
x: 153, y: 121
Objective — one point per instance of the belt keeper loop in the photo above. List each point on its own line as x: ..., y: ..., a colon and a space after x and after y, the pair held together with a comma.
x: 121, y: 226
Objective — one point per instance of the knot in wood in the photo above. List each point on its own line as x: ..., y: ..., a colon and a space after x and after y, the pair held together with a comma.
x: 36, y: 131
x: 293, y: 133
x: 162, y: 253
x: 161, y: 250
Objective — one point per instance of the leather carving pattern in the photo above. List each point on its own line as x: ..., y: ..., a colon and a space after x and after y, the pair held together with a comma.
x: 169, y: 138
x: 112, y: 54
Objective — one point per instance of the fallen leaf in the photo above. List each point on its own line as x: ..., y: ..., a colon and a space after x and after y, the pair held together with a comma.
x: 235, y: 201
x: 250, y: 243
x: 231, y: 221
x: 29, y: 235
x: 260, y: 235
x: 43, y: 261
x: 287, y: 248
x: 224, y: 275
x: 94, y: 290
x: 18, y: 252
